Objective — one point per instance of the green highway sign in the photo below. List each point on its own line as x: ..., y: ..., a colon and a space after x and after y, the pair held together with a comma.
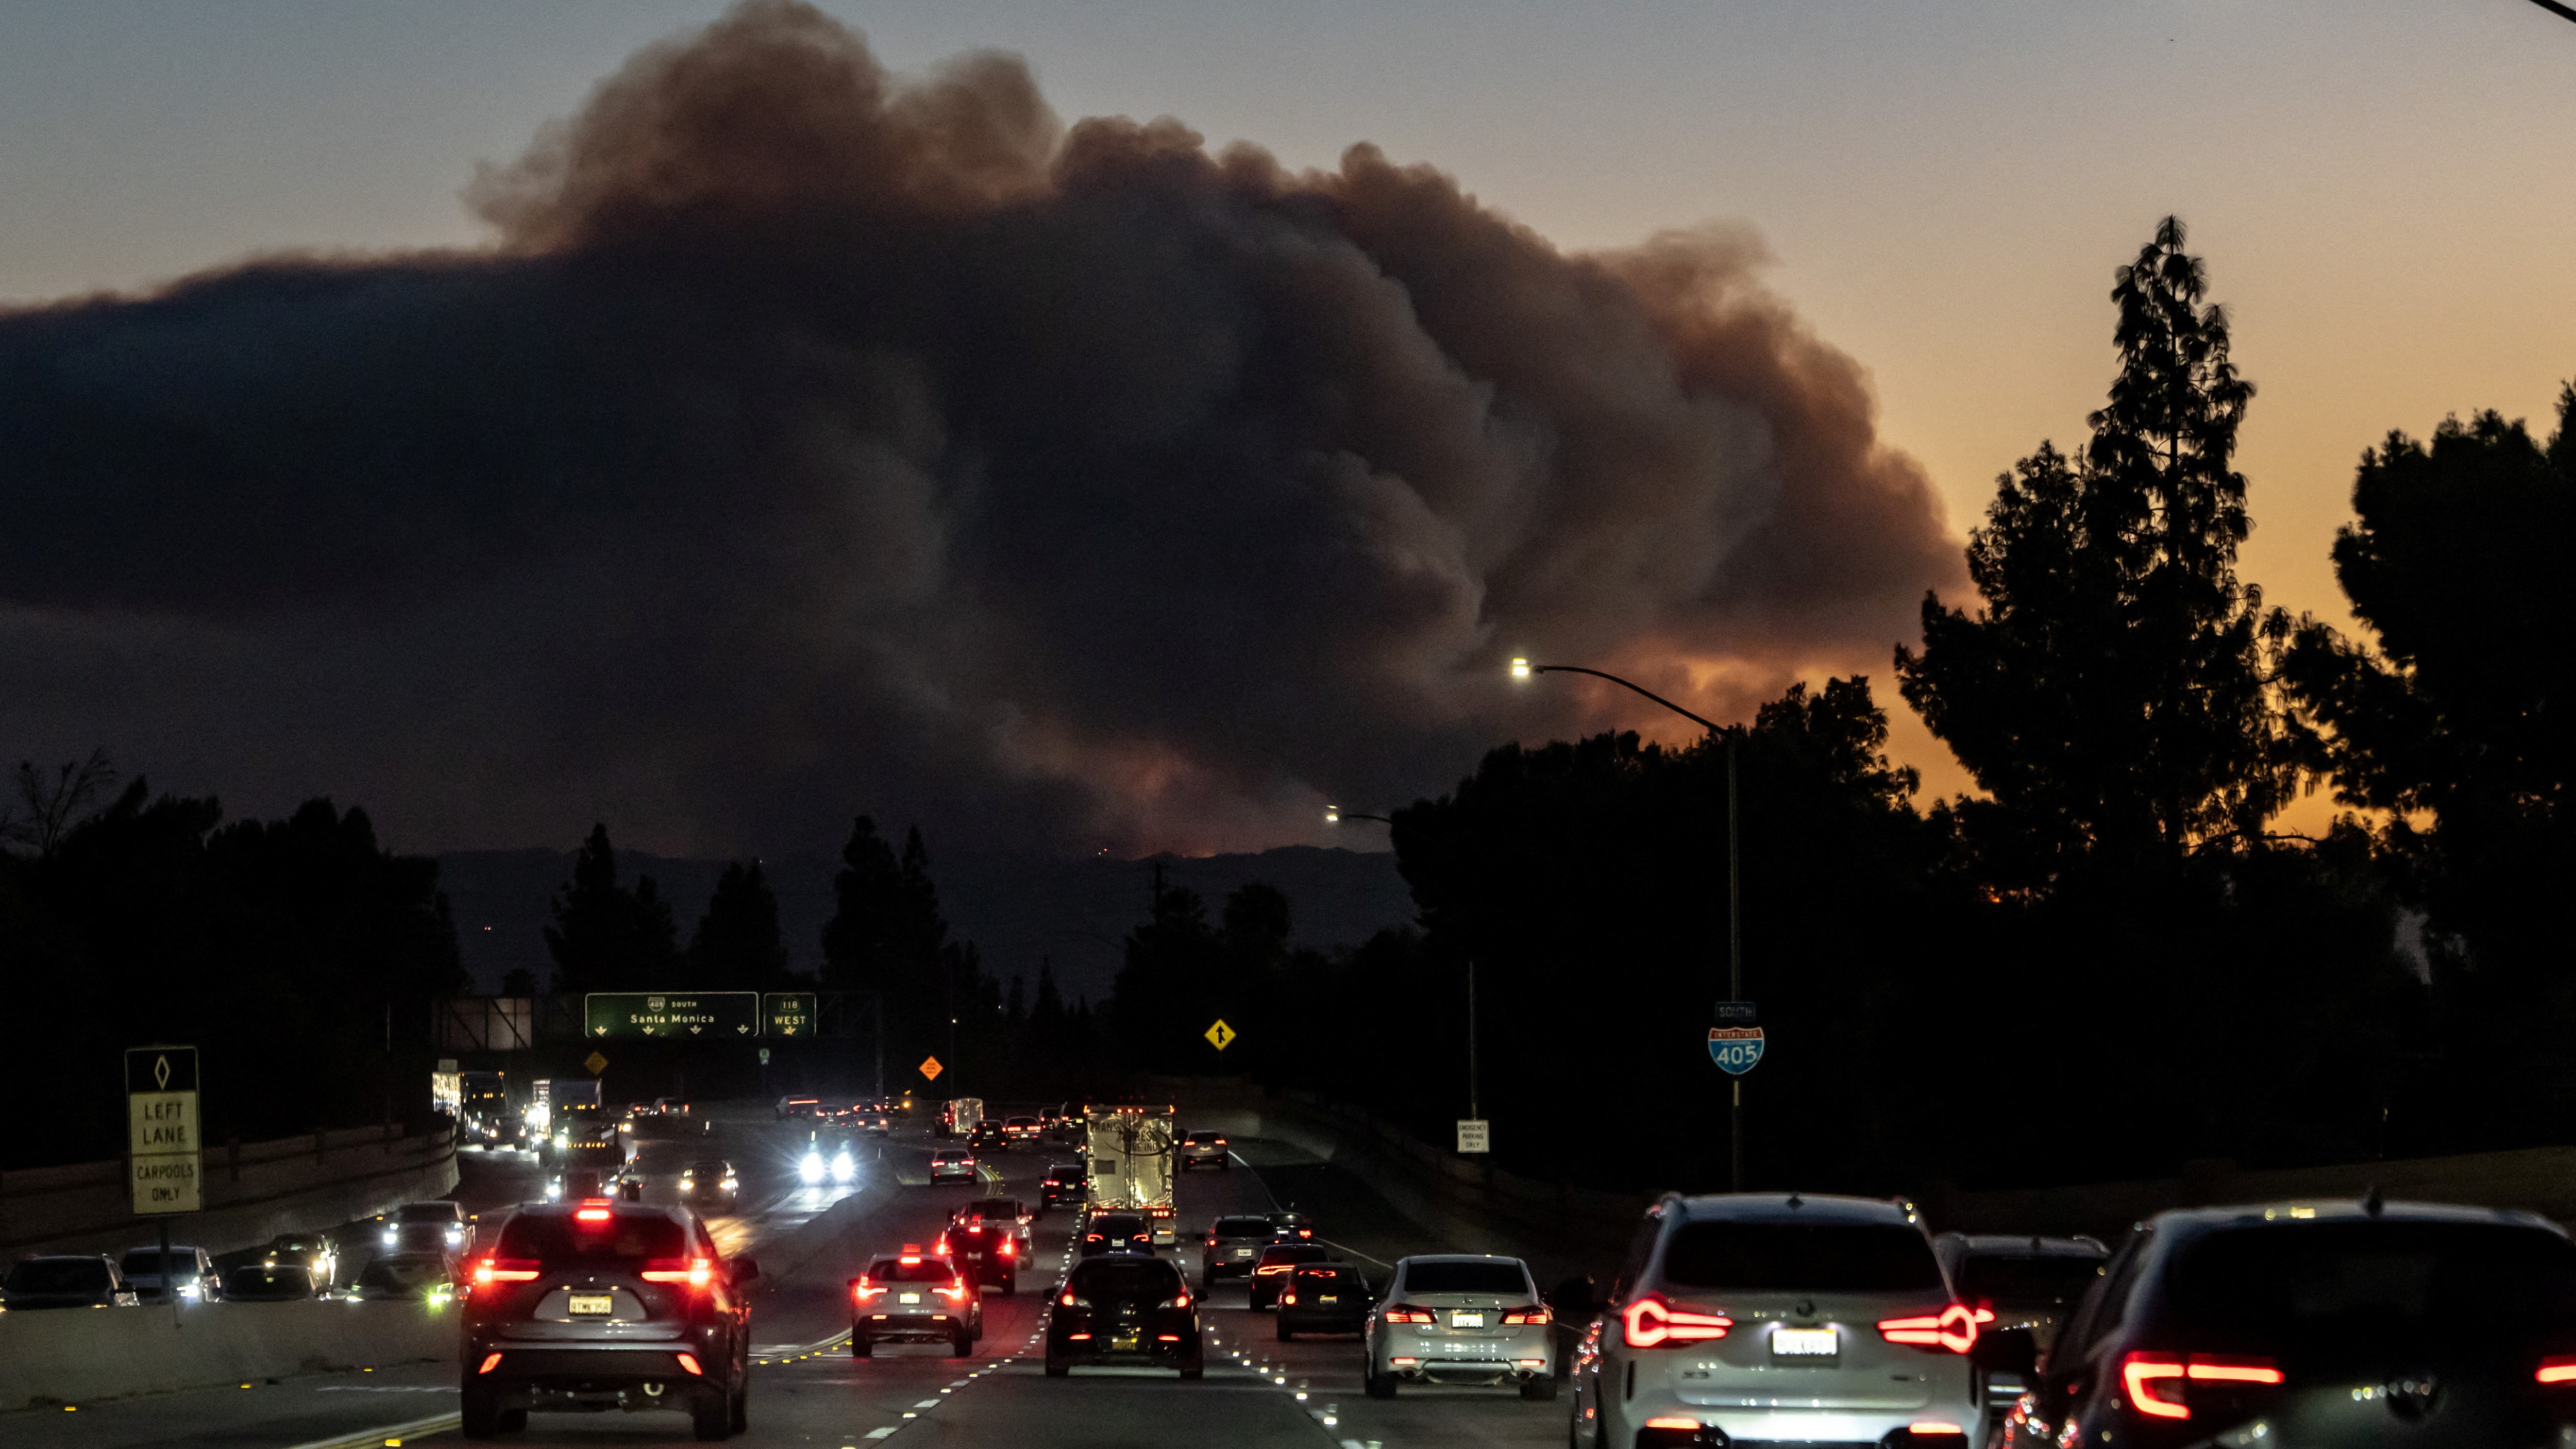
x: 676, y: 1015
x: 789, y: 1013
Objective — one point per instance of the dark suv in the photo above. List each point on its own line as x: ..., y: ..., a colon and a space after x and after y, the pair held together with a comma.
x: 1065, y: 1183
x: 1116, y: 1233
x: 1270, y: 1270
x: 2320, y: 1324
x: 1124, y: 1308
x: 599, y: 1304
x: 1231, y: 1248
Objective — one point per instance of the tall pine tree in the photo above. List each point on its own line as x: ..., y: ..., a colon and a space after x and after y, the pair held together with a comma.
x: 2111, y: 696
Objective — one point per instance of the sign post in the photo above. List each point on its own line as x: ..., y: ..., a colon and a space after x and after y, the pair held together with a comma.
x: 164, y: 1144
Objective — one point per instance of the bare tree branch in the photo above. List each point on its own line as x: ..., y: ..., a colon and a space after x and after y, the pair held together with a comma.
x: 54, y: 807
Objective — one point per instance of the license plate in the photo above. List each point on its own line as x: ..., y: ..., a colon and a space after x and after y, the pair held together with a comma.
x: 593, y: 1305
x: 1466, y: 1320
x: 907, y: 1298
x: 1128, y: 1342
x: 1326, y: 1298
x: 1804, y: 1343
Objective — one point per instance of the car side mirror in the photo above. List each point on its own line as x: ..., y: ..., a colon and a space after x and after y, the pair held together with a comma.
x: 746, y: 1268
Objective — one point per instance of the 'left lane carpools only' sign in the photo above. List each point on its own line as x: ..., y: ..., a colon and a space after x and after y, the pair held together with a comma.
x: 162, y: 1137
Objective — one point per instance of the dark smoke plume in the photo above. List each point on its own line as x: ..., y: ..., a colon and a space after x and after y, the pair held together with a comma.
x: 813, y: 439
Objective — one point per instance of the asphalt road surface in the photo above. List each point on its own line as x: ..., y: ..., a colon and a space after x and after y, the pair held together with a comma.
x: 806, y: 1389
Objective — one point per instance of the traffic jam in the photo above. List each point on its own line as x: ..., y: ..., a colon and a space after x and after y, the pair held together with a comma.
x: 1053, y: 1242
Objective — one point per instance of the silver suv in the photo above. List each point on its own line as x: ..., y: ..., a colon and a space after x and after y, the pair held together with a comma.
x: 1456, y: 1318
x: 1768, y: 1317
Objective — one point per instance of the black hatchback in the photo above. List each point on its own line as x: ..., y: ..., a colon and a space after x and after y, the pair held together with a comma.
x: 1124, y: 1308
x: 2320, y: 1325
x: 598, y: 1304
x: 1324, y: 1298
x: 1116, y: 1233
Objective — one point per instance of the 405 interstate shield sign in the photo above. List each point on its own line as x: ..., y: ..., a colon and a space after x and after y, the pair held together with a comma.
x: 1735, y: 1049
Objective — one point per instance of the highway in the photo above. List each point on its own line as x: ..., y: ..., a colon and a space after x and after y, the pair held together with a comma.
x: 808, y: 1391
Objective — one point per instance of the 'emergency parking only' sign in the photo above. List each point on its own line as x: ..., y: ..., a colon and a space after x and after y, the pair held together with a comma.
x: 161, y: 1123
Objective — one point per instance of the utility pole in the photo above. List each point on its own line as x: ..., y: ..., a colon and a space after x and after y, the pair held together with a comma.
x: 1734, y: 975
x: 1475, y: 1112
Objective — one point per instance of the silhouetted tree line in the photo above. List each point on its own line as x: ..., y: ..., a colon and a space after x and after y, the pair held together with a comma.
x: 297, y: 954
x: 2105, y: 963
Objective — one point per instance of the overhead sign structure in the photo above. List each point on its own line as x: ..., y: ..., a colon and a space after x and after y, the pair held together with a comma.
x: 163, y: 1139
x: 1220, y: 1034
x: 1735, y: 1049
x: 1473, y: 1136
x: 787, y: 1013
x: 671, y: 1015
x: 931, y: 1068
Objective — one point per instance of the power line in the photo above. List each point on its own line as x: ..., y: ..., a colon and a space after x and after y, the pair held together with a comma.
x: 2553, y: 7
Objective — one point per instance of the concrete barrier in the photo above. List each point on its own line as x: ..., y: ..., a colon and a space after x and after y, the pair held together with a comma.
x: 253, y: 1192
x: 76, y: 1355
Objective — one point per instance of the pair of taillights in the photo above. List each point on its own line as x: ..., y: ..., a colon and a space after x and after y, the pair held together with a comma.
x: 1068, y: 1300
x: 1653, y: 1322
x: 696, y: 1272
x: 1413, y: 1313
x: 865, y: 1290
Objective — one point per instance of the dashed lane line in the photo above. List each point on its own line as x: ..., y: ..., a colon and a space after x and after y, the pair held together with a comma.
x: 393, y: 1434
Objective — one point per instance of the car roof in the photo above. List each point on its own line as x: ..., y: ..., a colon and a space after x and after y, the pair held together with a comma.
x: 618, y: 1206
x: 1792, y: 1207
x: 2192, y: 1221
x: 1453, y: 1258
x: 156, y: 1247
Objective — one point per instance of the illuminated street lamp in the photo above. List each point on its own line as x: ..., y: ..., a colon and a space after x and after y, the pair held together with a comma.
x: 1523, y: 669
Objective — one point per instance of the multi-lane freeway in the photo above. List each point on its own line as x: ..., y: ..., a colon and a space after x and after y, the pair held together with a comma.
x: 806, y: 1388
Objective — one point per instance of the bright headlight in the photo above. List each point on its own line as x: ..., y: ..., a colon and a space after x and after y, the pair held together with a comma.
x: 811, y: 1169
x: 843, y: 1169
x: 392, y: 1236
x: 554, y: 1190
x: 688, y: 1184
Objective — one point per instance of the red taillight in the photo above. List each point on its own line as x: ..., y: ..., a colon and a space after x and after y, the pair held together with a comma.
x: 1068, y: 1300
x: 696, y: 1272
x: 689, y: 1364
x: 1091, y: 1237
x: 2139, y: 1372
x: 1650, y: 1322
x: 862, y: 1289
x: 491, y: 1361
x: 505, y: 1270
x: 2142, y: 1374
x: 1673, y: 1421
x: 1526, y: 1315
x: 1266, y: 1269
x: 955, y: 1292
x: 2559, y: 1370
x: 1953, y: 1328
x: 592, y: 1210
x: 1288, y: 1299
x: 1407, y: 1313
x: 1009, y: 1249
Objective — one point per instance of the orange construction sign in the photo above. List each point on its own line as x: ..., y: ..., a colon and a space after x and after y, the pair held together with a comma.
x: 930, y: 1068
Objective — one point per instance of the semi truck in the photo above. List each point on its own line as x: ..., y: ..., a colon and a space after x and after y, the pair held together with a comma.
x: 957, y: 1117
x: 1130, y: 1166
x: 483, y: 1116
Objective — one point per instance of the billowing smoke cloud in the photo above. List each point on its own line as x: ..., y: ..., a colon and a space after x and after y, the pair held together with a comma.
x: 813, y: 439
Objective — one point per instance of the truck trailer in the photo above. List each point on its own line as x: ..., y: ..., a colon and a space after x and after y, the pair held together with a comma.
x: 1130, y: 1168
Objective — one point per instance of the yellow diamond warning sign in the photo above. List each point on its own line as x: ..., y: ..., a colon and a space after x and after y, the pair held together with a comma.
x: 596, y: 1063
x: 1219, y: 1034
x: 931, y: 1068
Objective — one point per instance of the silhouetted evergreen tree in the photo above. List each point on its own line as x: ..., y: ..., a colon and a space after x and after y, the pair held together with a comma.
x: 737, y: 946
x: 2110, y: 696
x: 606, y: 937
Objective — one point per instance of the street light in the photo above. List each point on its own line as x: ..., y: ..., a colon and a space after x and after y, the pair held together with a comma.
x: 1523, y: 669
x: 1335, y: 815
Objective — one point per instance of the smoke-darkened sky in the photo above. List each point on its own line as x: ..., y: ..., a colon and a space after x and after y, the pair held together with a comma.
x: 811, y: 439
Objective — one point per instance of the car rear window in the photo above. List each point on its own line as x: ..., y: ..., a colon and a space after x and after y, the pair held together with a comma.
x: 1118, y: 1224
x: 2317, y: 1284
x: 1119, y: 1277
x: 1204, y: 1139
x: 1304, y: 1253
x: 2028, y: 1279
x: 1802, y: 1258
x: 928, y: 1270
x: 557, y: 1238
x: 58, y: 1276
x: 1462, y: 1277
x: 1241, y: 1228
x: 994, y: 1207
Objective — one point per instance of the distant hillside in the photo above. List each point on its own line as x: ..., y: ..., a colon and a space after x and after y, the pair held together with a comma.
x: 1016, y: 909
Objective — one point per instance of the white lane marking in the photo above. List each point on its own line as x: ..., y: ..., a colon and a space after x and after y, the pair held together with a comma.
x: 371, y: 1438
x: 881, y: 1433
x: 927, y: 1404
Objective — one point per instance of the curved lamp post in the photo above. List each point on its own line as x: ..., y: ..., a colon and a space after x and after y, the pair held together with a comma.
x: 1523, y: 669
